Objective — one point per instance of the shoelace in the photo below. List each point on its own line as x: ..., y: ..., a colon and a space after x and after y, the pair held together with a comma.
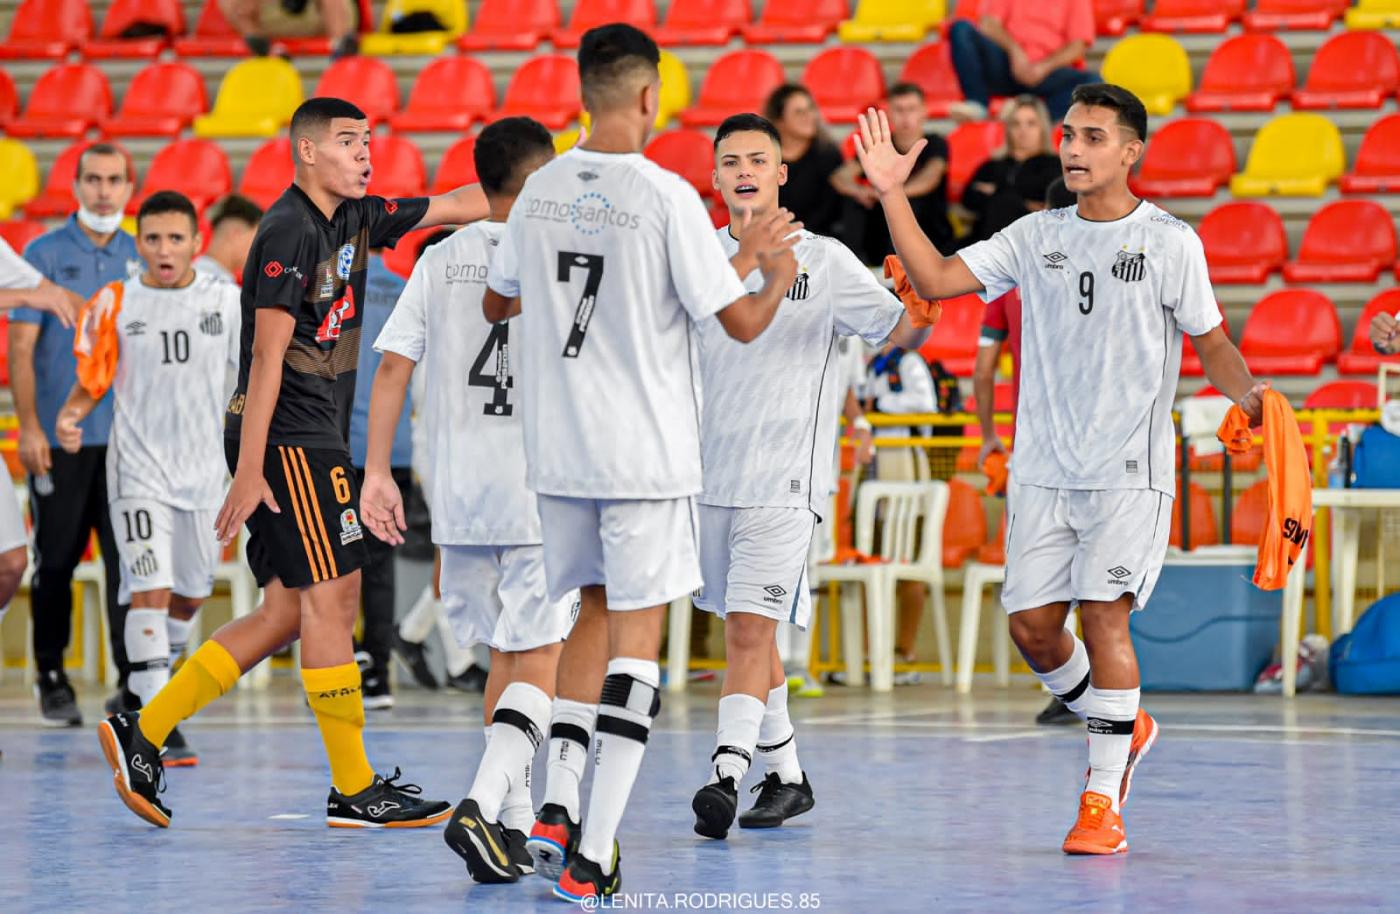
x: 391, y: 783
x: 768, y: 785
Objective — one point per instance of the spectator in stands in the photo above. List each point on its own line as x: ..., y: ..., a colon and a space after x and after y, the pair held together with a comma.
x: 1022, y: 46
x: 810, y: 156
x: 260, y: 21
x: 233, y: 222
x: 1014, y: 180
x: 864, y: 228
x: 1385, y: 333
x: 68, y: 492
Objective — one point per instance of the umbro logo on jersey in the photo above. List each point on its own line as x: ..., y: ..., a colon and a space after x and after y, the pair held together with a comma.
x: 800, y: 287
x: 1130, y: 267
x: 212, y: 324
x: 145, y: 565
x: 1054, y: 260
x: 1119, y: 572
x: 775, y: 594
x: 135, y: 328
x: 587, y: 176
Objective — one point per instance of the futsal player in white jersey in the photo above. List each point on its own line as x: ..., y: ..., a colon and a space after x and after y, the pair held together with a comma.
x: 767, y: 426
x: 485, y: 521
x: 165, y: 344
x: 1108, y: 287
x: 612, y: 257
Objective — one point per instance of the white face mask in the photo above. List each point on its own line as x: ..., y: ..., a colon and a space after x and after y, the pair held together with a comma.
x: 102, y: 225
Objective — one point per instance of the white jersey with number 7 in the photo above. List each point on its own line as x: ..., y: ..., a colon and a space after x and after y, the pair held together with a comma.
x: 612, y: 257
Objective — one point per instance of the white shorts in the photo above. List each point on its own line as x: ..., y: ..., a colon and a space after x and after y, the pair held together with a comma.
x: 645, y: 552
x: 1066, y: 545
x: 496, y: 595
x: 165, y: 548
x: 755, y: 561
x: 12, y: 532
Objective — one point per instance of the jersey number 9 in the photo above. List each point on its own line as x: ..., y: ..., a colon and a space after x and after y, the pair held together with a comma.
x: 1086, y: 292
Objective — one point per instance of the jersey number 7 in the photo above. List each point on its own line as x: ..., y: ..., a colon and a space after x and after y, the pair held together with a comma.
x: 593, y: 264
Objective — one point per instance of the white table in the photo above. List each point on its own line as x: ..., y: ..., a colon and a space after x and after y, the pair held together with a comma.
x: 1346, y: 505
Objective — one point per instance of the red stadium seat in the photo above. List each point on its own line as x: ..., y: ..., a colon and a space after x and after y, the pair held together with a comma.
x: 1245, y: 73
x: 65, y: 101
x: 1203, y: 530
x: 1342, y: 395
x: 1291, y: 331
x: 1191, y: 362
x: 56, y: 198
x: 1250, y: 515
x: 398, y: 168
x: 796, y: 21
x: 510, y: 25
x: 9, y: 98
x: 213, y: 36
x: 1362, y: 357
x: 449, y: 94
x: 1244, y: 242
x: 268, y: 171
x: 47, y: 29
x: 931, y: 69
x: 162, y: 100
x: 953, y: 340
x: 738, y: 81
x: 1192, y: 15
x: 545, y: 88
x: 969, y: 145
x: 1112, y: 17
x: 1352, y: 70
x: 197, y: 168
x: 19, y: 232
x: 689, y: 153
x: 456, y: 167
x: 719, y: 213
x: 592, y: 13
x: 1293, y: 15
x: 844, y: 81
x: 1345, y: 241
x: 168, y: 15
x: 1191, y: 157
x: 402, y: 256
x: 368, y: 82
x: 702, y: 22
x: 964, y: 526
x: 1377, y: 167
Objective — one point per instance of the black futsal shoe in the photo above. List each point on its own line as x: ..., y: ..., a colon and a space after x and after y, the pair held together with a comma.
x: 777, y: 802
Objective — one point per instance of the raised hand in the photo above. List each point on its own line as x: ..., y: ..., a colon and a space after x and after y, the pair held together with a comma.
x: 771, y: 233
x: 884, y: 167
x: 56, y: 300
x: 1384, y: 331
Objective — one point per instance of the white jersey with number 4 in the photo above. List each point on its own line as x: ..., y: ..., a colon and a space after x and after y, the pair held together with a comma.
x: 612, y: 257
x: 169, y: 357
x: 471, y: 408
x: 769, y: 420
x: 1104, y: 305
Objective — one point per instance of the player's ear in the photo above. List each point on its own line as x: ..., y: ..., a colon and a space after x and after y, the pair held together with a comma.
x: 651, y: 100
x: 782, y: 173
x: 1133, y: 152
x: 306, y: 151
x: 714, y: 180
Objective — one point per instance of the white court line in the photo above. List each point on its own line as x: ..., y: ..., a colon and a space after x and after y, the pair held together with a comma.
x: 903, y: 722
x: 1000, y: 737
x: 290, y: 815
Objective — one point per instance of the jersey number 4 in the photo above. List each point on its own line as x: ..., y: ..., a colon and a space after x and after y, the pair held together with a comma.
x: 500, y: 381
x: 593, y: 264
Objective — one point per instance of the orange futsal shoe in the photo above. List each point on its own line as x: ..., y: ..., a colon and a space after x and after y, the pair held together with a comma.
x: 1098, y: 830
x: 1145, y: 732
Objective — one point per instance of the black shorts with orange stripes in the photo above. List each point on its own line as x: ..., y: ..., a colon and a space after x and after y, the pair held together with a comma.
x: 318, y: 534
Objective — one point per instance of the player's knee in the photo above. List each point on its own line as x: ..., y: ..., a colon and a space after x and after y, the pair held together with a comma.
x: 1101, y: 620
x: 748, y: 634
x: 12, y: 565
x: 1035, y: 639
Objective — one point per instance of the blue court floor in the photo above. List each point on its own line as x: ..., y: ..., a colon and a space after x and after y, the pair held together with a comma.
x: 925, y: 803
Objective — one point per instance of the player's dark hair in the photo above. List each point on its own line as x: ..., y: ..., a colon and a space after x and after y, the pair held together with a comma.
x: 1058, y: 196
x: 437, y: 237
x: 610, y: 53
x: 315, y: 114
x: 905, y: 88
x: 167, y: 201
x: 236, y: 207
x: 1131, y: 113
x: 743, y: 123
x: 103, y: 149
x: 503, y: 150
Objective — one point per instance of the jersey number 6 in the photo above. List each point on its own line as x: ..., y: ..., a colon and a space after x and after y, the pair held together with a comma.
x: 593, y: 263
x: 340, y: 485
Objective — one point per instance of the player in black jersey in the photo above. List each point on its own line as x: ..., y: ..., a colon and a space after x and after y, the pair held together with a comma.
x: 286, y: 440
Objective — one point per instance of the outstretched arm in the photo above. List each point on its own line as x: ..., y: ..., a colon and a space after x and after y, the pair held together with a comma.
x: 1225, y: 368
x: 458, y: 207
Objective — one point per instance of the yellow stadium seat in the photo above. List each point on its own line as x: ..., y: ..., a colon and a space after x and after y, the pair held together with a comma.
x: 892, y: 20
x: 1154, y: 67
x: 1295, y: 155
x: 256, y: 98
x: 21, y: 173
x: 566, y: 140
x: 675, y: 92
x: 451, y: 13
x: 1374, y: 14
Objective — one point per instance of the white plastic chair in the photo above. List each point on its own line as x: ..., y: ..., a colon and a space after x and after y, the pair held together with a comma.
x: 911, y: 543
x: 678, y: 653
x: 976, y: 576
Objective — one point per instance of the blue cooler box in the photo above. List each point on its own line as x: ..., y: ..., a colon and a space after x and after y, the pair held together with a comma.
x: 1206, y: 628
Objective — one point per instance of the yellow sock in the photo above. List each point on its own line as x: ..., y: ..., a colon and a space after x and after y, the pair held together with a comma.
x: 208, y: 673
x: 334, y: 695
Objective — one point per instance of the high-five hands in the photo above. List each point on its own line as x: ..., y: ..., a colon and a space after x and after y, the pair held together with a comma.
x: 884, y: 167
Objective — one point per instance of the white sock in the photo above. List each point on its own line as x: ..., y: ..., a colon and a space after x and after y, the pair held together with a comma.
x: 777, y: 743
x: 629, y: 702
x: 740, y: 717
x: 799, y: 656
x: 1070, y: 682
x: 179, y: 633
x: 518, y: 808
x: 1111, y: 716
x: 570, y: 734
x: 417, y: 623
x: 148, y: 649
x: 516, y: 732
